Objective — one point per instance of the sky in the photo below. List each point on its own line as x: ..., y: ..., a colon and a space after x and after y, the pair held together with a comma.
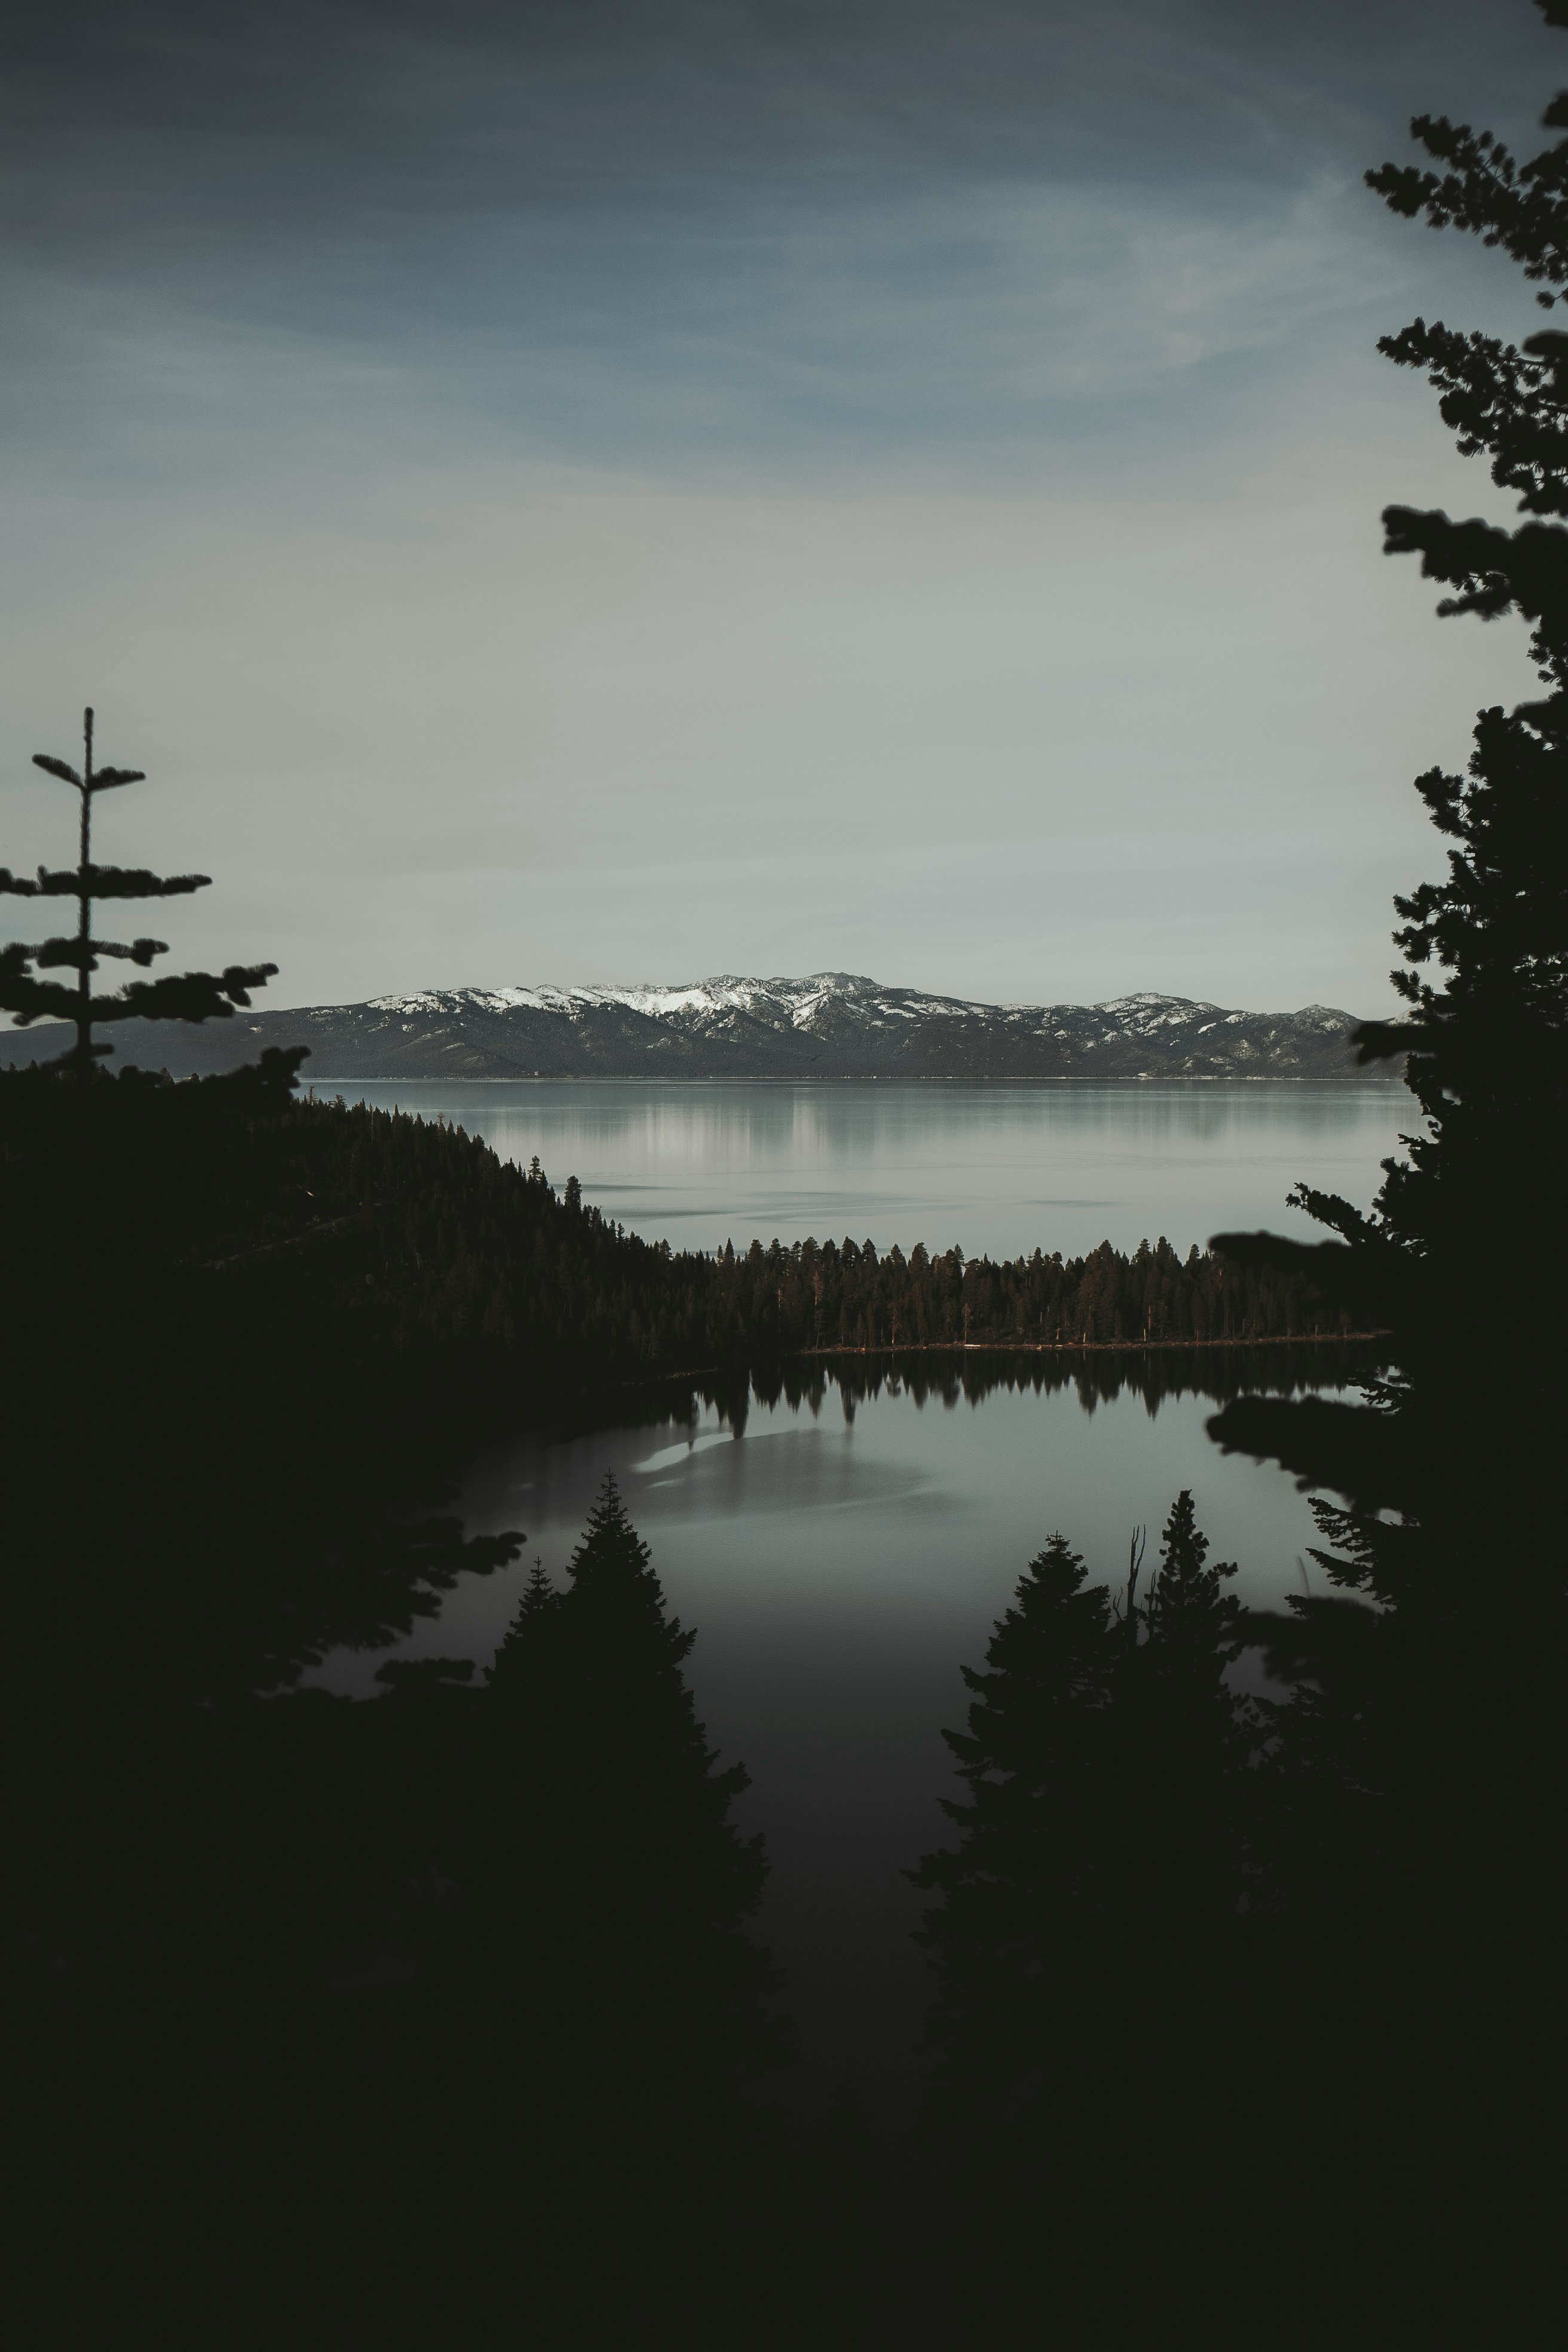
x: 589, y: 491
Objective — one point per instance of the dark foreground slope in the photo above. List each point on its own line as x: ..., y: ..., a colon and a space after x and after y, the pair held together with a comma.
x: 830, y: 1025
x: 341, y: 1986
x: 319, y: 1992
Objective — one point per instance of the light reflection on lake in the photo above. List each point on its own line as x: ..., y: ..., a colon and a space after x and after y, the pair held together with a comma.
x: 999, y: 1168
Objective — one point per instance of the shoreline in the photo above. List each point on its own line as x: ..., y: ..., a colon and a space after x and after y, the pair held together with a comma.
x: 999, y: 1347
x: 1096, y: 1347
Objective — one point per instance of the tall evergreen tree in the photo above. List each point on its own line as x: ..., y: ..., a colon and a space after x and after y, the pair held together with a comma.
x: 1441, y: 1469
x: 617, y: 2008
x: 1100, y: 1748
x: 1085, y: 1931
x: 1485, y: 951
x: 611, y: 1857
x: 189, y: 996
x: 1418, y: 1783
x: 1020, y: 1893
x: 1186, y: 1743
x: 1194, y: 1629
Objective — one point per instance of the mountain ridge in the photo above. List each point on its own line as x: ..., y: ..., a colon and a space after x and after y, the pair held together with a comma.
x: 824, y: 1025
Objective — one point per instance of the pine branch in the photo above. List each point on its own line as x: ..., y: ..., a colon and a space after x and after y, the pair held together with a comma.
x: 52, y: 953
x: 185, y: 996
x: 103, y: 780
x: 28, y: 999
x: 1358, y: 1450
x: 1502, y: 400
x: 113, y: 882
x: 1524, y: 571
x: 1519, y: 207
x: 179, y: 996
x: 1379, y: 1041
x: 1321, y: 1263
x: 1341, y: 1216
x: 1367, y: 1280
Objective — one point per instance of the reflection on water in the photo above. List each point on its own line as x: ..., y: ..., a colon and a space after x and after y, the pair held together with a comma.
x: 1000, y: 1169
x: 841, y: 1555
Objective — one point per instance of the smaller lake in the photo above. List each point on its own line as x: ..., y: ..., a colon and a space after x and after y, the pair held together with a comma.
x: 841, y: 1556
x: 1001, y: 1168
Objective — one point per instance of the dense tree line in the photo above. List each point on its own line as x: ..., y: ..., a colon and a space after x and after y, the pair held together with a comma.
x: 842, y: 1296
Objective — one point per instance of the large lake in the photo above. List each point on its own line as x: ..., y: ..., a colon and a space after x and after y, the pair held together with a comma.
x: 999, y: 1168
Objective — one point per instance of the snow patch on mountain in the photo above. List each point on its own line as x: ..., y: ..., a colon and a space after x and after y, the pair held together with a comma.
x: 799, y: 1003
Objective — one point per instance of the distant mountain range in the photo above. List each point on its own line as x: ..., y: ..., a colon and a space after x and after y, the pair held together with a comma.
x: 833, y: 1024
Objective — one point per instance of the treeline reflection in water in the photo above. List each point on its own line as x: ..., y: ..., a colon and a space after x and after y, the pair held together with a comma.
x: 842, y: 1380
x: 1096, y: 1375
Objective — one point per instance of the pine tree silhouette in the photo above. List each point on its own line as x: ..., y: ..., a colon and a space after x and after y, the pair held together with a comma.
x: 611, y: 1846
x: 615, y: 2002
x: 1103, y: 1764
x: 1186, y: 1747
x: 1085, y: 1931
x: 1426, y: 1465
x: 1193, y: 1632
x: 1018, y: 1898
x: 1415, y: 1786
x: 522, y: 1665
x: 185, y: 996
x: 1488, y: 1047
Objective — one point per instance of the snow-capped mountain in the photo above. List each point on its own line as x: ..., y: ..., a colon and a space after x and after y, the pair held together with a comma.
x: 830, y: 1024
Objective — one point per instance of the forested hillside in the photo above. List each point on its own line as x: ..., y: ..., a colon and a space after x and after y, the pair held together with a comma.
x: 317, y: 1233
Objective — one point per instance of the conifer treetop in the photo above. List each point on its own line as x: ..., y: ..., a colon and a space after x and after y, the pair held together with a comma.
x: 612, y: 1576
x: 1188, y: 1602
x: 185, y: 996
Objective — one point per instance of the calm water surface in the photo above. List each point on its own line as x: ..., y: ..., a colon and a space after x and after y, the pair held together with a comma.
x: 840, y: 1562
x: 1000, y: 1168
